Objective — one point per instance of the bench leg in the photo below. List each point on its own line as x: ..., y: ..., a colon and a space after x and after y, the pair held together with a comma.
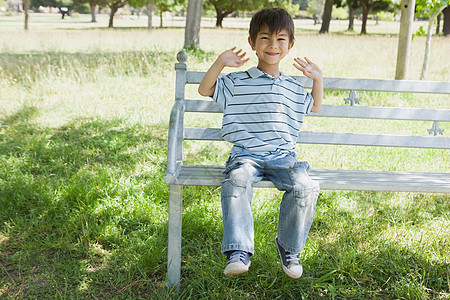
x: 174, y: 246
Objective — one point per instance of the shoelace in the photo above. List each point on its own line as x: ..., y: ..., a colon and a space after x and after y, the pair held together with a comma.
x: 292, y: 258
x: 237, y: 255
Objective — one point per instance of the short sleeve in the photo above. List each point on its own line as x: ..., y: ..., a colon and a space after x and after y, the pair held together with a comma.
x: 224, y: 90
x: 309, y: 102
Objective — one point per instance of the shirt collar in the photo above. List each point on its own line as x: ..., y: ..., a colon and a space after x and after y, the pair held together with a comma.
x: 256, y: 73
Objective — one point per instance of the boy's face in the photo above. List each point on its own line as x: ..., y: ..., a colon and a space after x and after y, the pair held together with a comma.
x: 271, y: 48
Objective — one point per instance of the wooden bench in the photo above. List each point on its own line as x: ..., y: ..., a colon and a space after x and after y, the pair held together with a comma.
x: 179, y: 174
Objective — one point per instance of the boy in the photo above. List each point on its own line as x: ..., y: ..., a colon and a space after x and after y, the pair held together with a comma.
x: 263, y: 112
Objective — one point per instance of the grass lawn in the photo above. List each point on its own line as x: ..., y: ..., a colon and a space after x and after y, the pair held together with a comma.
x: 83, y: 204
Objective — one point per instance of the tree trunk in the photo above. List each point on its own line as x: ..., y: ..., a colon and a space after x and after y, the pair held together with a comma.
x: 114, y: 9
x: 161, y: 19
x: 446, y: 25
x: 150, y: 15
x: 404, y: 39
x: 438, y: 24
x: 193, y: 19
x: 26, y: 7
x: 219, y: 18
x: 93, y: 16
x: 327, y: 16
x: 351, y: 18
x: 426, y: 57
x: 365, y: 14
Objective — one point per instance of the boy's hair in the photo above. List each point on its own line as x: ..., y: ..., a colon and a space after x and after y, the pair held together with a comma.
x: 276, y: 19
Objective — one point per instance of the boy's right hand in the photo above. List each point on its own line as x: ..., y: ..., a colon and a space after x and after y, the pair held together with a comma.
x: 233, y: 58
x: 229, y: 58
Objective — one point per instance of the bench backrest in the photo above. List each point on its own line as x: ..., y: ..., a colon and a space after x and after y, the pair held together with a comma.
x: 178, y: 132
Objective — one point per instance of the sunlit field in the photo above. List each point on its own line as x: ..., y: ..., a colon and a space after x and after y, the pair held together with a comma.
x: 83, y: 206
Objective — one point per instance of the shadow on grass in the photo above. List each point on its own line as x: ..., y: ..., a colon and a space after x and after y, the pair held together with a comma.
x: 83, y: 214
x: 82, y: 209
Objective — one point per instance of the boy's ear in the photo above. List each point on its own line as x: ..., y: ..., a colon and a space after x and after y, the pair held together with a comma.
x: 251, y: 43
x: 291, y: 44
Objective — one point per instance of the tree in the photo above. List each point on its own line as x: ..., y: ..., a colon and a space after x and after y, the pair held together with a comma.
x: 114, y: 5
x: 430, y: 9
x: 315, y: 8
x: 150, y: 6
x: 92, y: 5
x: 26, y: 7
x: 166, y: 5
x: 446, y: 26
x: 366, y: 6
x: 328, y: 9
x: 404, y: 38
x: 352, y: 6
x: 193, y: 19
x: 226, y: 7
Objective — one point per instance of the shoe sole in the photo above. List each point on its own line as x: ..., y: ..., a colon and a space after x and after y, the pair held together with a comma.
x: 234, y: 269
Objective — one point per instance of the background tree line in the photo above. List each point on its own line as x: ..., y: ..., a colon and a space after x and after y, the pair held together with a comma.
x: 319, y: 10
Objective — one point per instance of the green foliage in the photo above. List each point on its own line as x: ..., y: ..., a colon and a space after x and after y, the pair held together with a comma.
x: 420, y: 32
x: 385, y: 16
x: 429, y: 8
x: 339, y: 13
x: 226, y: 7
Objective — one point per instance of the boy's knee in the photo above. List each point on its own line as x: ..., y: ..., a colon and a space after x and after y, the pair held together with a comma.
x: 306, y: 194
x: 233, y: 188
x: 306, y: 191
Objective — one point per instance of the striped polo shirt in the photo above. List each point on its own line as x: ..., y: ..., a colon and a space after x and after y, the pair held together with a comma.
x: 261, y: 114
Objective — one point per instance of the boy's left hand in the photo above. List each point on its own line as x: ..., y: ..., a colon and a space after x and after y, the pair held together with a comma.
x: 308, y: 68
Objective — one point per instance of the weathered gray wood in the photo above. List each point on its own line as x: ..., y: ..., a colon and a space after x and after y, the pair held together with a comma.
x: 335, y: 179
x: 174, y: 242
x: 333, y: 138
x: 376, y: 85
x: 387, y: 113
x: 343, y: 111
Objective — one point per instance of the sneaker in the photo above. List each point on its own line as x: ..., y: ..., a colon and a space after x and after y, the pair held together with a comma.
x: 238, y: 262
x: 289, y: 262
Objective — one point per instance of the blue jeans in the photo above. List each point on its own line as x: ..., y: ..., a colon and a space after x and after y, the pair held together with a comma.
x: 297, y: 206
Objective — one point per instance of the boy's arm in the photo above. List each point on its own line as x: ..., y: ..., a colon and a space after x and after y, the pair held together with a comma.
x: 311, y: 70
x: 229, y: 58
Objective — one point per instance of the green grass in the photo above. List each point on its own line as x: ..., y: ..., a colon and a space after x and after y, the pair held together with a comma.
x: 83, y: 206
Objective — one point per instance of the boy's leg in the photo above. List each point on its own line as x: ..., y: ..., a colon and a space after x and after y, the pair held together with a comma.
x: 298, y: 204
x: 236, y: 198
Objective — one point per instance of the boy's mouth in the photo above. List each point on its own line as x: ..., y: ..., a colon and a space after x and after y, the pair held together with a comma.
x: 271, y: 53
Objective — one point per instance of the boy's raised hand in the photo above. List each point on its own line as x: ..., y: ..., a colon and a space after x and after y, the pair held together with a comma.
x: 229, y: 58
x: 233, y: 58
x: 308, y: 68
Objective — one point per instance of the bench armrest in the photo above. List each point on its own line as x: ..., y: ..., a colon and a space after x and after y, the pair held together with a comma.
x: 175, y: 138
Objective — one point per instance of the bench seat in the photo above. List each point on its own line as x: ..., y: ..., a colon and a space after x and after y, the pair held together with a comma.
x: 362, y: 180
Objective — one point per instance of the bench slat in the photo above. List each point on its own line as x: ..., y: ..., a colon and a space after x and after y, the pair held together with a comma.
x: 332, y: 138
x: 333, y: 179
x: 341, y: 111
x: 376, y: 85
x: 380, y: 85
